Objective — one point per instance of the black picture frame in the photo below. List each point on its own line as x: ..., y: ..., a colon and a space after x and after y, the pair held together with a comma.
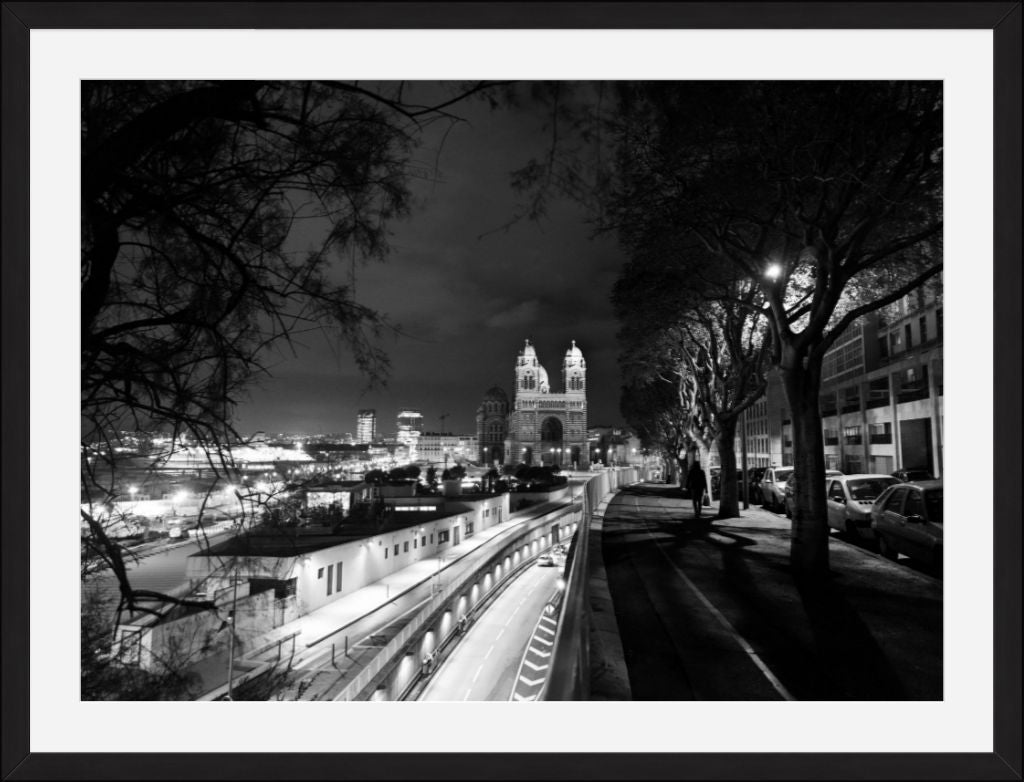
x: 1002, y: 18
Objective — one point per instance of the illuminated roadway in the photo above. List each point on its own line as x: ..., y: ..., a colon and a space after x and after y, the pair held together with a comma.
x: 484, y: 665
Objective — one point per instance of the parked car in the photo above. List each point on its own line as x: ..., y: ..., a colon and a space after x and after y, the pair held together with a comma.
x: 907, y: 519
x: 773, y: 487
x: 789, y: 500
x: 850, y: 498
x: 716, y: 482
x: 755, y: 483
x: 911, y: 474
x: 756, y: 474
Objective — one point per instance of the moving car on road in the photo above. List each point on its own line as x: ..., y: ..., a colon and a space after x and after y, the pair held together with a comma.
x: 850, y: 499
x: 546, y: 560
x: 907, y: 519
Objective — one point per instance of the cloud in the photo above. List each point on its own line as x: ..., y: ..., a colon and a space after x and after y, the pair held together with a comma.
x: 520, y: 315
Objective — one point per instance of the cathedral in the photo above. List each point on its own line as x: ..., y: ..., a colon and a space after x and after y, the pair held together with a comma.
x: 540, y: 427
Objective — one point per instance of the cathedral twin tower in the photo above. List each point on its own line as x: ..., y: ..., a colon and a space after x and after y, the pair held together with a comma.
x: 541, y: 427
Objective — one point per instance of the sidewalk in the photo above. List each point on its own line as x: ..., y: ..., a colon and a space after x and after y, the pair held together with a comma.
x: 710, y: 610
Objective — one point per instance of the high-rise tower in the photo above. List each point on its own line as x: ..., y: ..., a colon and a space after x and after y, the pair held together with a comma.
x: 366, y: 426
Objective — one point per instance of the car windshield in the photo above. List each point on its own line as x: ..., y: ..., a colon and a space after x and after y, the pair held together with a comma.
x: 933, y: 504
x: 782, y: 475
x: 869, y: 488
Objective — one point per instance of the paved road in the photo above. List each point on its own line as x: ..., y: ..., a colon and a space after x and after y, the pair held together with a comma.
x: 711, y: 612
x: 485, y: 664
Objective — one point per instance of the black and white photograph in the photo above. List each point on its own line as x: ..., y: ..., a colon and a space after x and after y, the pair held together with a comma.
x: 323, y: 458
x: 439, y: 367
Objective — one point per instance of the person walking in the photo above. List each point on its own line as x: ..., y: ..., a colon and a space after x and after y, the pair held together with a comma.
x: 697, y: 484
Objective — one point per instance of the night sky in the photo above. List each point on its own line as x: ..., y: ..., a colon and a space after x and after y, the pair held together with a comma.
x: 466, y: 293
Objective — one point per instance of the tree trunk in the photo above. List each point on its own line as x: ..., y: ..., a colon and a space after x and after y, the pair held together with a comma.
x: 810, y: 535
x: 728, y: 497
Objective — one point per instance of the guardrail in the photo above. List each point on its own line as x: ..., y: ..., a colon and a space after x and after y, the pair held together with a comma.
x: 423, y: 616
x: 569, y: 675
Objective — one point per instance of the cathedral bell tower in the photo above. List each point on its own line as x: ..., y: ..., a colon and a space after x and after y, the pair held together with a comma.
x: 574, y: 371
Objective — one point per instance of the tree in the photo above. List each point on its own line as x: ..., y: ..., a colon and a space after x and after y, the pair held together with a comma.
x: 825, y: 195
x: 692, y: 325
x: 219, y: 221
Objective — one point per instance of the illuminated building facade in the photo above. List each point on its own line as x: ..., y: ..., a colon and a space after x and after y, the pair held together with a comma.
x: 545, y: 427
x: 366, y: 426
x: 410, y: 427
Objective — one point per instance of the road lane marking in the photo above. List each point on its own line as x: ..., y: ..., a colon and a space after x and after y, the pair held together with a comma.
x: 740, y: 640
x: 541, y: 640
x: 477, y: 674
x: 519, y: 697
x: 489, y: 652
x: 545, y: 630
x: 536, y: 667
x: 531, y: 682
x: 499, y: 634
x: 539, y: 652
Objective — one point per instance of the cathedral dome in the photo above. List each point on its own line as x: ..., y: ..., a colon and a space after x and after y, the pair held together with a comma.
x: 495, y: 394
x: 528, y: 351
x: 574, y: 352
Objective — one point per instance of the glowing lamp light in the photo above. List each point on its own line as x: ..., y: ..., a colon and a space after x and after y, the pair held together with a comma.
x: 773, y: 272
x: 132, y: 490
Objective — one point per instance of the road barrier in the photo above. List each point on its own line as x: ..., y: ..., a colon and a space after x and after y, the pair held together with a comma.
x: 396, y: 647
x: 569, y: 677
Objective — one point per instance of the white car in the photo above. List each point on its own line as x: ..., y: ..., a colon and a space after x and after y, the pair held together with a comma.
x: 773, y: 487
x: 850, y: 498
x: 545, y: 560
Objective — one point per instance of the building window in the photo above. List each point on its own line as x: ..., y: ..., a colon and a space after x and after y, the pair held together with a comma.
x: 831, y: 437
x: 423, y: 540
x: 922, y: 326
x: 908, y: 333
x: 894, y: 342
x: 431, y: 537
x: 320, y: 573
x: 880, y: 434
x: 443, y: 536
x: 851, y: 399
x: 396, y: 549
x: 385, y: 553
x: 415, y: 543
x: 827, y: 403
x: 852, y: 435
x: 330, y: 579
x: 405, y: 547
x: 913, y: 384
x: 469, y: 528
x: 883, y: 348
x: 337, y: 583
